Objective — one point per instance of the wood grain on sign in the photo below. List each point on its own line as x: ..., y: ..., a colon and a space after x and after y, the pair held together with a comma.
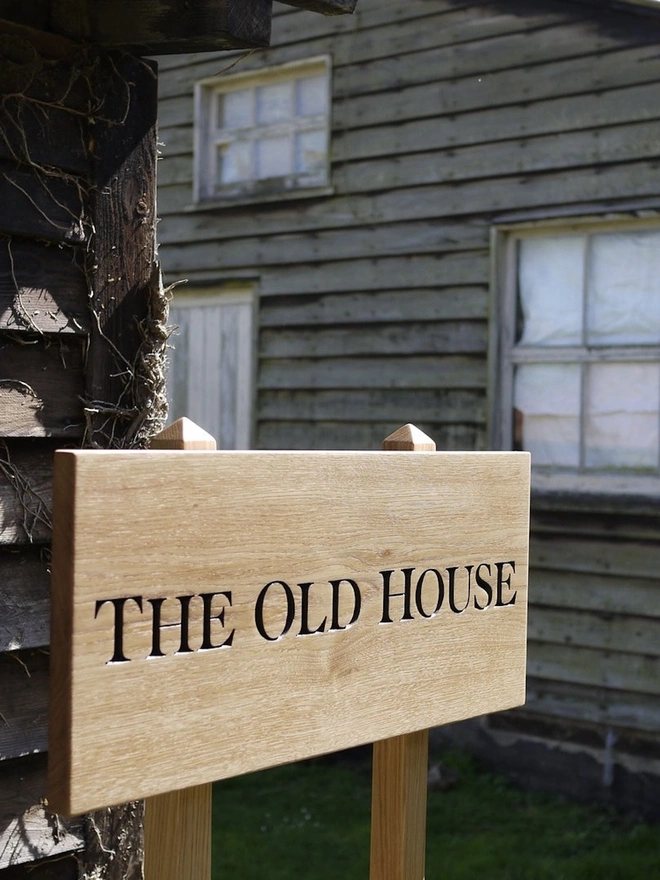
x: 247, y: 609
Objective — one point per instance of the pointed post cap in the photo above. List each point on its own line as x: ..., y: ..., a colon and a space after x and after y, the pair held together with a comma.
x: 408, y: 438
x: 183, y: 434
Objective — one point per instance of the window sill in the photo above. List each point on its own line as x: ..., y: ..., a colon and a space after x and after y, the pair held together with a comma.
x: 596, y: 493
x: 228, y: 203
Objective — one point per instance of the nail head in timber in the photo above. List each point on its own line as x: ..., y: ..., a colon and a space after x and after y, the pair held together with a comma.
x: 217, y: 613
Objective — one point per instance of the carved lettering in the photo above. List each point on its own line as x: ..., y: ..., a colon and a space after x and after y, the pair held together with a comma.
x: 208, y: 617
x: 483, y: 584
x: 452, y: 588
x: 156, y: 605
x: 419, y: 593
x: 387, y: 594
x: 118, y: 655
x: 290, y: 611
x: 357, y: 603
x: 505, y: 581
x: 406, y: 596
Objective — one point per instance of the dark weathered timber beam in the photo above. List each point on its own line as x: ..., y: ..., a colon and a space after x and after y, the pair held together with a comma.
x: 325, y: 7
x: 159, y: 27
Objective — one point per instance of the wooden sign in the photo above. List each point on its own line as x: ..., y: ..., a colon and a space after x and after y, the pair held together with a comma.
x: 217, y: 613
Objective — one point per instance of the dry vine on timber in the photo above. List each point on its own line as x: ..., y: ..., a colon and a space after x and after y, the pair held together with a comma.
x: 34, y: 508
x: 36, y: 94
x: 141, y: 408
x: 32, y: 88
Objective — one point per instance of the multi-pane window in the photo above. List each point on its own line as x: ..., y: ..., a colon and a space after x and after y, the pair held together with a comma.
x: 581, y: 360
x: 211, y: 364
x: 263, y: 133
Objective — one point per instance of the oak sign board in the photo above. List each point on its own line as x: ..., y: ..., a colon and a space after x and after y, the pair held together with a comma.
x: 216, y: 613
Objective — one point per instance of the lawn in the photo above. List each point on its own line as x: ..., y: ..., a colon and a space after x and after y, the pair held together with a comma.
x: 311, y: 822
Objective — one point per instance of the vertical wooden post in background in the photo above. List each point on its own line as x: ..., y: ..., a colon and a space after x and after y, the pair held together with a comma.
x: 400, y: 766
x: 177, y: 824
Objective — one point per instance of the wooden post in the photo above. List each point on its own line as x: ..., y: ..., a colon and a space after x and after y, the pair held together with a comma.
x: 177, y: 824
x: 400, y: 766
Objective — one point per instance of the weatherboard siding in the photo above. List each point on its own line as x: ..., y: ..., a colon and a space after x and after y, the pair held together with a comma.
x: 447, y: 117
x: 44, y: 319
x: 58, y: 234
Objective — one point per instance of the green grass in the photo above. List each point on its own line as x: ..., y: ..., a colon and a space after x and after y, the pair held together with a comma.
x: 311, y: 822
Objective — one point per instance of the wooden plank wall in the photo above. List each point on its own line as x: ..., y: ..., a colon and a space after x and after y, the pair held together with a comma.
x: 60, y: 187
x: 43, y: 326
x: 448, y: 116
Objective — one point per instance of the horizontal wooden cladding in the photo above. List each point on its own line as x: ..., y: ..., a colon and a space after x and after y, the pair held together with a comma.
x: 59, y: 868
x: 24, y: 722
x: 595, y: 592
x: 26, y: 477
x: 385, y: 257
x: 293, y: 27
x: 191, y: 240
x: 433, y: 304
x: 622, y: 559
x: 485, y: 125
x: 443, y: 270
x: 393, y: 36
x: 629, y: 672
x: 42, y: 288
x: 593, y: 629
x: 448, y: 337
x: 454, y: 91
x: 523, y: 41
x: 42, y: 204
x: 27, y: 830
x: 596, y: 705
x: 24, y: 598
x: 587, y: 73
x: 41, y: 387
x: 604, y: 185
x: 325, y: 7
x: 594, y: 520
x: 451, y: 371
x: 521, y: 121
x: 366, y: 436
x: 403, y: 405
x: 624, y: 143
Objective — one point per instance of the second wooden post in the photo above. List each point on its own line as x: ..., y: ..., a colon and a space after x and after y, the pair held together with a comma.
x: 400, y: 766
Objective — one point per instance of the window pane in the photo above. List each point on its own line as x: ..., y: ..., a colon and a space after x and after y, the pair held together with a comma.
x: 235, y: 162
x: 312, y: 96
x: 624, y: 289
x: 274, y: 157
x: 550, y: 283
x: 274, y: 103
x: 621, y: 423
x: 310, y: 151
x: 547, y: 397
x: 237, y: 109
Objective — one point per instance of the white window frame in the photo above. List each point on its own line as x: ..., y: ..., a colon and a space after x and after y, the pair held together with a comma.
x: 246, y: 364
x: 208, y: 136
x: 504, y: 355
